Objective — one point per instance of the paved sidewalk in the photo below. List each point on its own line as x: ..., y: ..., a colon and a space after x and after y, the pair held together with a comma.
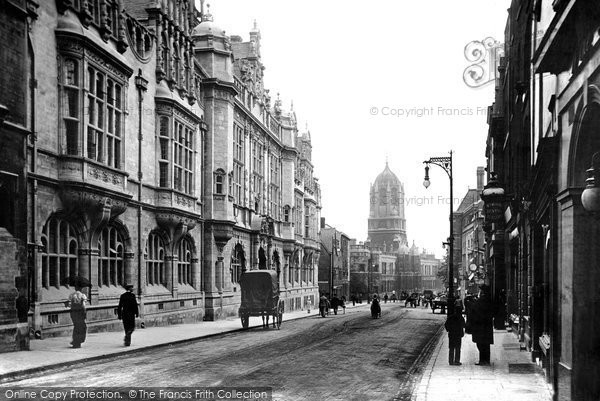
x: 55, y: 352
x: 440, y: 381
x: 511, y: 376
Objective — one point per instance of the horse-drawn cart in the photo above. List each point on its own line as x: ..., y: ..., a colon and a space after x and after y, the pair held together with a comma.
x: 260, y: 297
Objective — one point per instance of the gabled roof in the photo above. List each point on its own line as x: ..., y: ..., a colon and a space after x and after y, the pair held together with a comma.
x: 472, y: 196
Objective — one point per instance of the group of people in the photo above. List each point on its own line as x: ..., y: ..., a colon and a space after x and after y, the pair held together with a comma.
x: 479, y: 323
x: 127, y: 311
x: 334, y: 303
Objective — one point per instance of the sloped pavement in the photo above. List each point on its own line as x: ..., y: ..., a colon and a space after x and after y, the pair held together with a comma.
x: 511, y: 376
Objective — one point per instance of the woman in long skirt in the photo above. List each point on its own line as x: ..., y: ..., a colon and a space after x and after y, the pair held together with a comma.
x: 77, y: 301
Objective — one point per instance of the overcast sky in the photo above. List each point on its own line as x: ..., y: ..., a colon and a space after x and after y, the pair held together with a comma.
x: 378, y: 79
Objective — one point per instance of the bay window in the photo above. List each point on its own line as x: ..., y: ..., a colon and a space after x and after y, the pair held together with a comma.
x: 176, y: 155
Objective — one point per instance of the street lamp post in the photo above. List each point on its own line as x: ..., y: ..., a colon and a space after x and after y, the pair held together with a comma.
x: 369, y: 279
x: 331, y: 272
x: 446, y: 164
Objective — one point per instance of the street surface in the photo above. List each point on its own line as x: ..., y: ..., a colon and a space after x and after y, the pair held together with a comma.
x: 340, y: 357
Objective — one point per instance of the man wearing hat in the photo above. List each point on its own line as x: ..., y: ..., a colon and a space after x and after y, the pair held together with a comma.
x: 482, y: 330
x: 128, y: 311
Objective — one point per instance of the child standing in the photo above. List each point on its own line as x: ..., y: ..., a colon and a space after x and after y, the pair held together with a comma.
x: 455, y: 326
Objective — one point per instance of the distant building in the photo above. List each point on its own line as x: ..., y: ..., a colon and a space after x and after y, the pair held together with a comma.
x: 334, y: 263
x: 387, y: 225
x: 469, y: 240
x: 430, y: 266
x: 385, y: 263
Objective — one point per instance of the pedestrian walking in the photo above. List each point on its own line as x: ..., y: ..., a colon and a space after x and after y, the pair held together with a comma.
x: 335, y: 303
x: 77, y: 302
x: 455, y: 326
x: 385, y: 298
x: 308, y: 304
x: 128, y: 311
x: 323, y: 305
x: 481, y: 317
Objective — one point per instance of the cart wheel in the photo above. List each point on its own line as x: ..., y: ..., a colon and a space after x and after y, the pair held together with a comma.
x: 245, y: 321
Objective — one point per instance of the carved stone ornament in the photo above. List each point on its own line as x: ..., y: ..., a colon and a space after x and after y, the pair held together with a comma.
x: 105, y: 175
x: 174, y: 225
x: 93, y: 209
x: 79, y: 199
x: 266, y: 226
x: 247, y: 70
x: 222, y: 233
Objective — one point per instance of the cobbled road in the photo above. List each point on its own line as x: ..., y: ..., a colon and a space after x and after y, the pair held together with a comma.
x: 341, y: 357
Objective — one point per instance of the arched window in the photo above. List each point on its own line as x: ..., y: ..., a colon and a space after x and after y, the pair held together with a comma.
x: 59, y: 253
x: 155, y: 261
x: 111, y: 269
x: 184, y: 263
x: 382, y: 196
x: 219, y: 175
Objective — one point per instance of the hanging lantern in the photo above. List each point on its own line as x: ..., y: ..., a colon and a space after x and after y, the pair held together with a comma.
x: 590, y: 198
x: 493, y: 198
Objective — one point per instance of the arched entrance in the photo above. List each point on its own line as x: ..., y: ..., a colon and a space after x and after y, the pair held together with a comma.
x: 262, y: 259
x: 238, y: 263
x: 580, y: 261
x: 276, y: 264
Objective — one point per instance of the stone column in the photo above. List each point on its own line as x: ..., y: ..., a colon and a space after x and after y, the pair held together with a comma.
x: 286, y: 272
x: 170, y: 260
x: 219, y: 273
x: 128, y: 275
x: 196, y: 277
x: 88, y: 267
x: 254, y: 257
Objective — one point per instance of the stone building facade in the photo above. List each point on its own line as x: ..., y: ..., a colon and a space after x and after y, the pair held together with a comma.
x: 543, y: 147
x: 156, y: 157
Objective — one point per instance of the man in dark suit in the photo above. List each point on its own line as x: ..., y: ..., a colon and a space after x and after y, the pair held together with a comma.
x: 128, y: 311
x: 482, y: 332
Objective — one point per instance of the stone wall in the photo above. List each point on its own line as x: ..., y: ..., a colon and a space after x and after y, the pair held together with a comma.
x: 14, y: 336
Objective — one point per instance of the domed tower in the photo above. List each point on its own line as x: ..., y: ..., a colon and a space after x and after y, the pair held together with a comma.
x: 387, y: 225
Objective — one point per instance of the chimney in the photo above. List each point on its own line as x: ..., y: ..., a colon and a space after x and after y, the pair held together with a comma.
x: 480, y: 175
